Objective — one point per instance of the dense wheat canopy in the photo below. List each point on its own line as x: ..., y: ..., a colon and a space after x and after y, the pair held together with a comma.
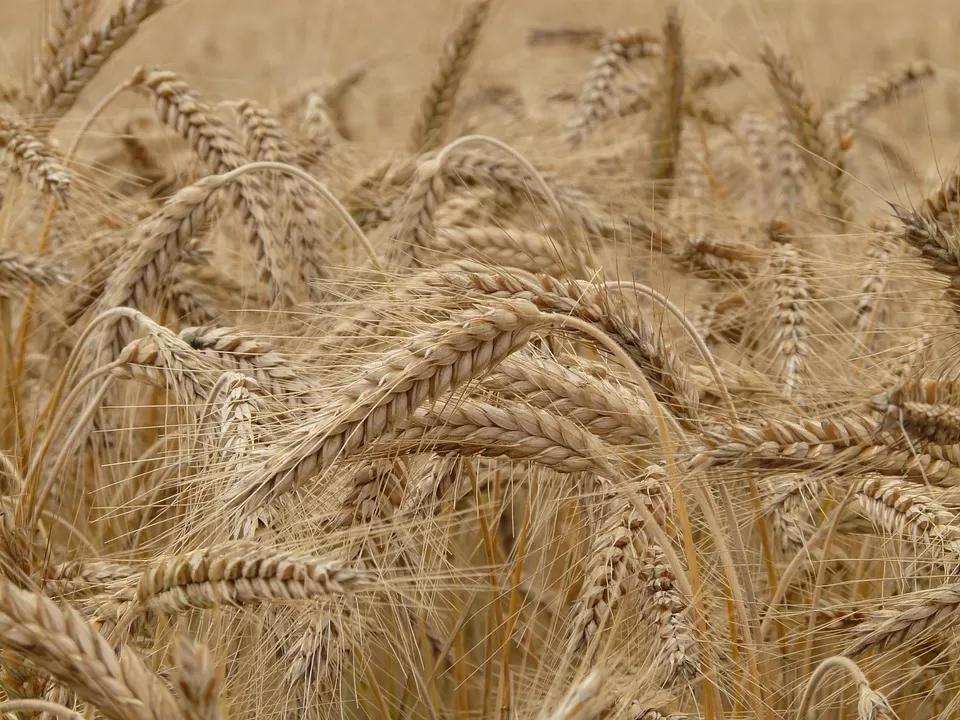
x: 486, y: 359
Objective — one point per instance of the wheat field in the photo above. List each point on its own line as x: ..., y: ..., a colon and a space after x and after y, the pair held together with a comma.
x: 494, y: 359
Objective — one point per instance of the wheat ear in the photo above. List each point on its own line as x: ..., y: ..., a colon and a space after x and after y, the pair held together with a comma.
x: 877, y: 92
x: 792, y: 308
x: 266, y: 140
x: 907, y: 617
x: 927, y: 408
x: 242, y: 574
x: 32, y: 159
x: 61, y: 642
x: 197, y: 681
x: 901, y: 510
x: 667, y: 127
x: 179, y: 107
x: 435, y: 362
x: 592, y: 402
x: 17, y: 272
x: 66, y: 80
x: 598, y: 95
x: 437, y: 105
x: 668, y: 374
x: 943, y: 204
x: 68, y: 19
x: 508, y: 430
x: 583, y: 701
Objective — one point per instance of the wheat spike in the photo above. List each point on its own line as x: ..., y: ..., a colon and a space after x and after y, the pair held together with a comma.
x: 437, y: 105
x: 66, y: 80
x: 61, y: 642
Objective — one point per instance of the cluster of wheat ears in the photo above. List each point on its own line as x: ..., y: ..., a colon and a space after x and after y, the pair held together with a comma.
x: 653, y: 418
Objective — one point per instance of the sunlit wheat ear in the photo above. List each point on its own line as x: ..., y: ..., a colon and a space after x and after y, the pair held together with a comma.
x: 416, y: 230
x: 32, y: 159
x: 667, y: 372
x: 820, y: 149
x: 798, y: 105
x: 907, y: 618
x: 758, y: 139
x: 938, y: 245
x: 62, y: 643
x: 315, y: 652
x: 900, y: 509
x: 510, y: 431
x: 872, y: 304
x: 668, y: 612
x: 527, y: 250
x: 66, y: 79
x: 598, y: 97
x: 164, y: 236
x: 943, y: 204
x: 242, y: 402
x: 376, y: 492
x: 713, y: 71
x: 279, y: 376
x: 612, y: 577
x: 79, y: 577
x: 844, y: 444
x: 321, y: 107
x: 164, y: 361
x: 791, y: 171
x: 715, y: 258
x: 437, y: 105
